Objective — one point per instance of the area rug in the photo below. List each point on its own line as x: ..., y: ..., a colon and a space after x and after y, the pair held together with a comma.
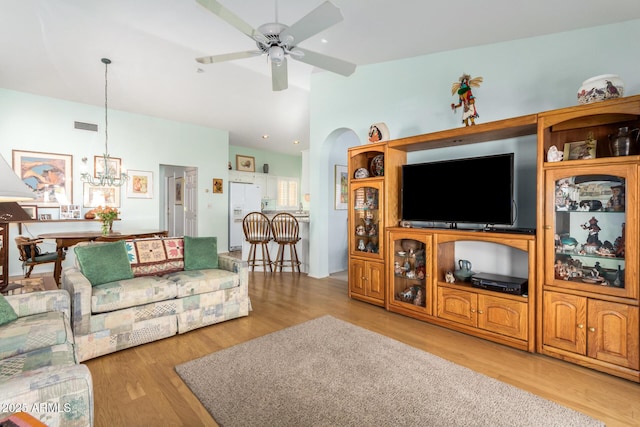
x: 327, y: 372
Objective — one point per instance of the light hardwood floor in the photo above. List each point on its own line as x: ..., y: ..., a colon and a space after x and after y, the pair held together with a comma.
x: 139, y: 387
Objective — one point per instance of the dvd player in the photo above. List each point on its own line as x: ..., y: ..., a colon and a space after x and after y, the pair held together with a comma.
x: 499, y: 283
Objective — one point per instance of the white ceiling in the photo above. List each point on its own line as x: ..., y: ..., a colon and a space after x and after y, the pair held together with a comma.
x: 53, y: 48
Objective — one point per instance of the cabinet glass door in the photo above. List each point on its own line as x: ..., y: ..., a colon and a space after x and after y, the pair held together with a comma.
x: 366, y: 234
x: 409, y: 272
x: 589, y: 214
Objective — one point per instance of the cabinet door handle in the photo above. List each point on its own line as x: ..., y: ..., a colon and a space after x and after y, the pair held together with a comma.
x: 580, y: 326
x: 480, y: 312
x: 592, y: 329
x: 473, y: 310
x: 547, y: 227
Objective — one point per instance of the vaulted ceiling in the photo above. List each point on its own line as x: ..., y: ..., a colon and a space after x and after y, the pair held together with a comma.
x: 53, y: 48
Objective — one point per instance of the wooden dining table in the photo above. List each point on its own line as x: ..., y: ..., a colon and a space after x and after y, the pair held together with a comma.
x: 66, y: 239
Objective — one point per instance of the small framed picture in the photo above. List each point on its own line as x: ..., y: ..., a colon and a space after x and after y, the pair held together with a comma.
x: 31, y: 210
x: 140, y: 184
x: 95, y: 196
x: 341, y: 182
x: 245, y: 163
x: 113, y: 166
x: 217, y: 185
x: 45, y: 217
x: 179, y: 191
x: 580, y: 150
x: 70, y: 212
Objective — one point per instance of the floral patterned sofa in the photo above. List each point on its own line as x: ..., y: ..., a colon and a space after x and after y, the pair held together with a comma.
x: 132, y: 292
x: 39, y: 370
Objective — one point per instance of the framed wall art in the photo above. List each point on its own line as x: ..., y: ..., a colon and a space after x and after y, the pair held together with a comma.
x: 179, y: 191
x: 217, y: 185
x: 245, y: 163
x: 341, y: 187
x: 31, y: 210
x: 140, y: 184
x: 113, y: 166
x: 70, y: 212
x: 49, y: 175
x: 580, y: 150
x: 95, y: 196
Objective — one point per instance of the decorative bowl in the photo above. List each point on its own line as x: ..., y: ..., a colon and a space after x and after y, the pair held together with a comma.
x: 463, y: 275
x: 377, y: 165
x: 599, y: 88
x: 361, y: 173
x: 408, y: 244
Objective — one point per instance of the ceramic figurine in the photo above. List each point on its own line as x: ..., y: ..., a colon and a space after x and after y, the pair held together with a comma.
x: 466, y: 100
x: 616, y: 201
x: 554, y: 155
x: 419, y: 298
x: 361, y: 245
x: 592, y: 227
x: 449, y: 278
x: 371, y: 247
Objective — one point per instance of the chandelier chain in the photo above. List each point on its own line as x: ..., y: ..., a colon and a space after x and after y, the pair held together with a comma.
x: 106, y: 177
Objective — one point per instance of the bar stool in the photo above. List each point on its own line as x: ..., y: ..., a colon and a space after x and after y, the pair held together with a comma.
x: 286, y: 230
x: 257, y: 231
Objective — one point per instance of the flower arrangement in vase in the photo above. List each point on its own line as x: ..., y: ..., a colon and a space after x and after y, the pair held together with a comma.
x: 106, y: 215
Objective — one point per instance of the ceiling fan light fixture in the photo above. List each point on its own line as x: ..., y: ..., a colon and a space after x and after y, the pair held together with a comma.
x: 276, y: 53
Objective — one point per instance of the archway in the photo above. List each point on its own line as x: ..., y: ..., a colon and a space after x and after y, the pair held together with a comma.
x: 328, y: 225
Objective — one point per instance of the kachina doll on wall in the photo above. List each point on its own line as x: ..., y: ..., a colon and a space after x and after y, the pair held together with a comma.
x: 466, y: 100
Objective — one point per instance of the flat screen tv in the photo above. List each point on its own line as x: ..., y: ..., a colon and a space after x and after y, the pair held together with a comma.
x: 476, y: 190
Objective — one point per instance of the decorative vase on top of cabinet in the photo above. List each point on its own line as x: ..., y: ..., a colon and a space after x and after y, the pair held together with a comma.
x: 589, y: 215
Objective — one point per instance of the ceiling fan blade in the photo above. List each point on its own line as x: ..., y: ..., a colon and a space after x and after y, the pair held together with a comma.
x: 231, y: 18
x: 328, y: 63
x: 321, y: 18
x: 279, y: 77
x: 228, y: 56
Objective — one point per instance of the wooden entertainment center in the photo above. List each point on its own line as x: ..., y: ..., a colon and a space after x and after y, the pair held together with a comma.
x: 582, y: 303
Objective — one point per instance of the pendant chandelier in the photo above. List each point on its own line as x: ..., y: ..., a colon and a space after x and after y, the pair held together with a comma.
x: 107, y: 177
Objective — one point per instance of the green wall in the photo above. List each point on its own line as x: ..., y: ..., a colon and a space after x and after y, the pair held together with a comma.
x: 279, y: 164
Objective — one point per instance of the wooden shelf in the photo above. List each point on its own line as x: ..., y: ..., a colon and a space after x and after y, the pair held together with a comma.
x: 492, y: 131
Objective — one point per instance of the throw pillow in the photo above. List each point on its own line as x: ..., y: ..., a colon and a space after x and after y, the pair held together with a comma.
x: 200, y: 253
x: 104, y: 263
x: 7, y: 313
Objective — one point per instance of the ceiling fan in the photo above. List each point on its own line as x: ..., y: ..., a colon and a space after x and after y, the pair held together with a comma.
x: 278, y: 41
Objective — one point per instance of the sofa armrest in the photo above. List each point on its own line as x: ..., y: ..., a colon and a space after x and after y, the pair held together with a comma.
x: 235, y: 265
x: 40, y: 302
x: 80, y: 291
x: 56, y: 395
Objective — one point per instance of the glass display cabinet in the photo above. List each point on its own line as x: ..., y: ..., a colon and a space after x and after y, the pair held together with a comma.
x: 366, y: 231
x: 589, y: 312
x: 366, y: 226
x: 409, y: 276
x: 589, y: 216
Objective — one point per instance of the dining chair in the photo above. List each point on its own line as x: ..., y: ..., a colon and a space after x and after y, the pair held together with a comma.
x: 257, y: 231
x: 286, y: 233
x: 31, y: 255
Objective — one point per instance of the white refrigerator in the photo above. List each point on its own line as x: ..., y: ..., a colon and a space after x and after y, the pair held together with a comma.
x: 243, y: 198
